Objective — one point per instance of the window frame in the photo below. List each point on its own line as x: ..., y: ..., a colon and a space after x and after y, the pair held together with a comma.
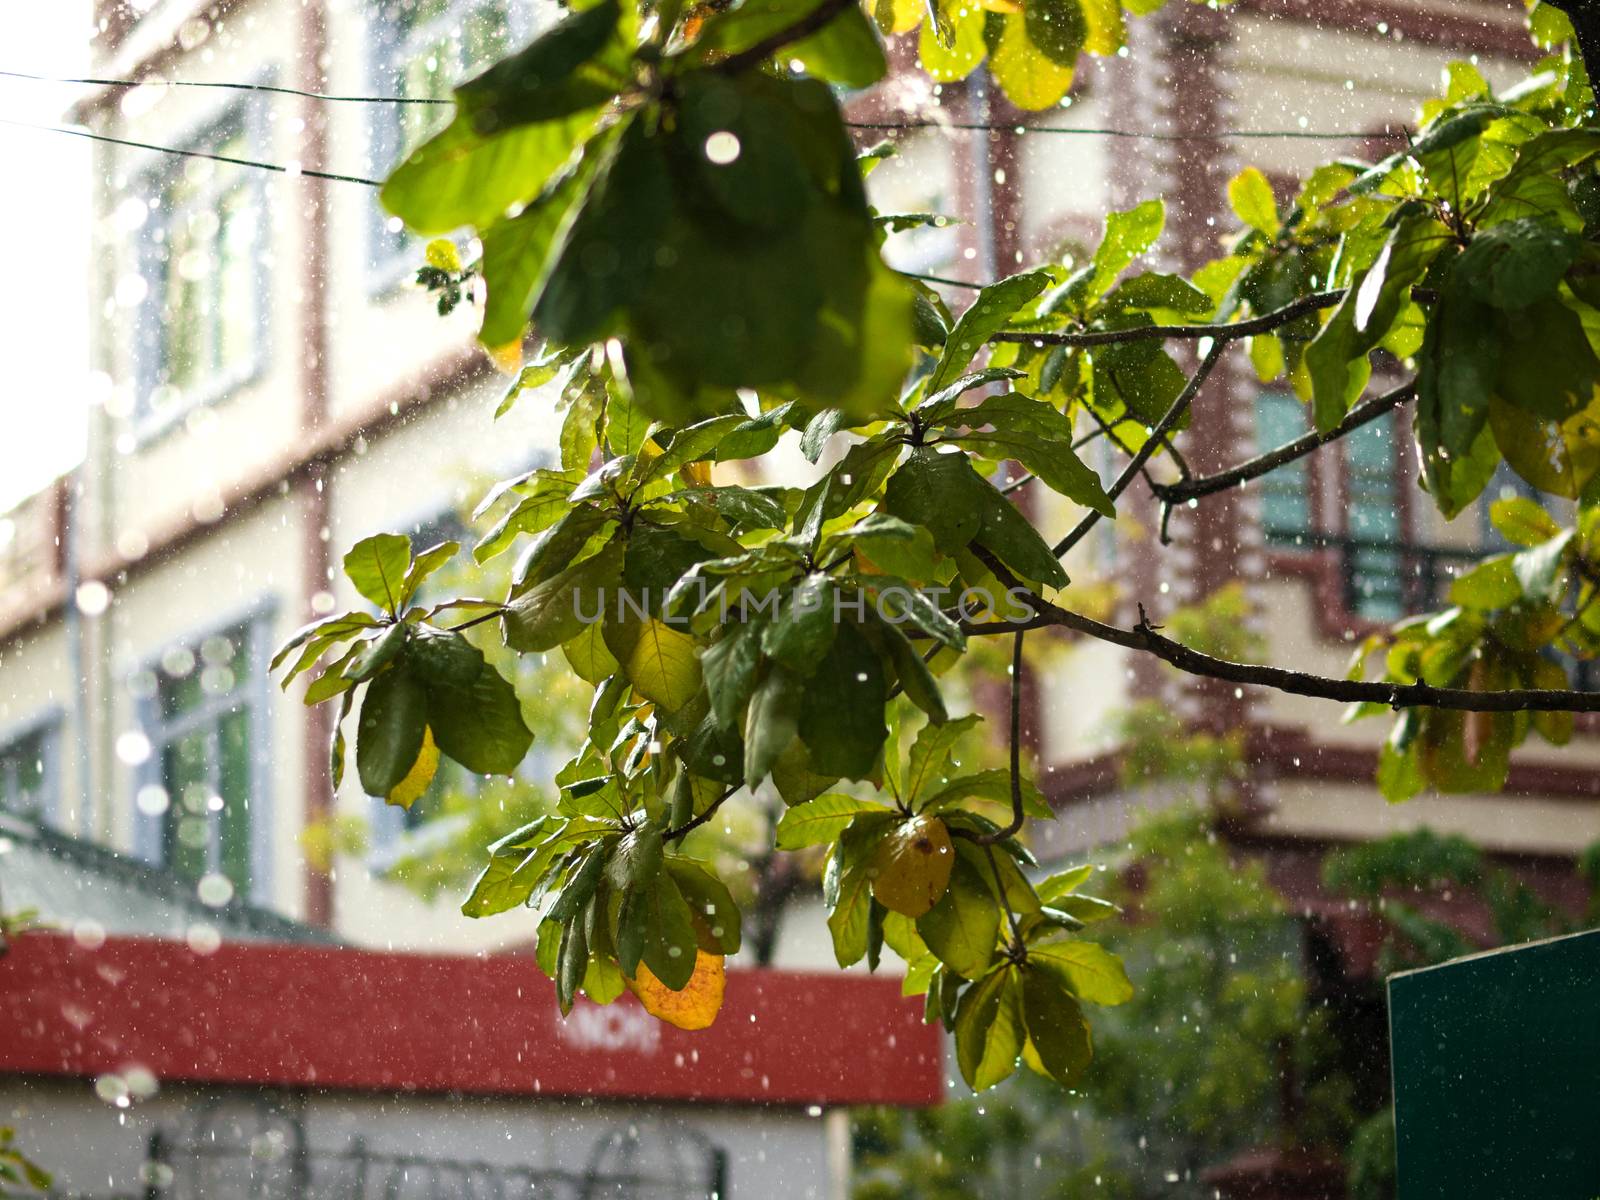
x: 149, y: 842
x: 49, y: 722
x: 149, y: 352
x: 392, y: 259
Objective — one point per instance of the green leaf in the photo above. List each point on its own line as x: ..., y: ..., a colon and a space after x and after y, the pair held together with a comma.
x: 1057, y: 1033
x: 802, y: 632
x: 930, y: 757
x: 988, y: 1030
x: 1522, y: 521
x: 822, y: 820
x: 565, y: 605
x: 1128, y: 235
x: 1337, y: 357
x: 516, y: 250
x: 841, y: 716
x: 1456, y: 372
x: 940, y: 492
x: 1090, y: 971
x: 716, y: 916
x: 390, y: 730
x: 463, y: 177
x: 1491, y: 584
x: 989, y: 313
x: 1250, y: 196
x: 1517, y: 262
x: 1064, y: 883
x: 1057, y: 28
x: 479, y: 724
x: 543, y: 499
x: 554, y: 75
x: 915, y: 679
x: 773, y: 723
x: 1542, y: 570
x: 1040, y: 444
x: 849, y: 913
x: 963, y: 928
x: 377, y: 566
x: 669, y: 948
x: 572, y: 963
x: 730, y: 669
x: 893, y: 545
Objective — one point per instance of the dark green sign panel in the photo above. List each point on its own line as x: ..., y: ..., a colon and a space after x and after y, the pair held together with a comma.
x: 1497, y: 1074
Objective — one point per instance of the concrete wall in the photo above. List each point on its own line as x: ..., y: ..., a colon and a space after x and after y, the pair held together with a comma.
x: 91, y: 1144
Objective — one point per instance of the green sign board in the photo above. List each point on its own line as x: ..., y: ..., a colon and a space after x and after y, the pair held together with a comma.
x: 1497, y: 1074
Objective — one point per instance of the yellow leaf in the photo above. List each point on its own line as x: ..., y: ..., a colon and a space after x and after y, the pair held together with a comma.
x: 698, y: 474
x: 588, y: 656
x: 912, y: 866
x: 410, y: 789
x: 663, y: 665
x: 507, y: 359
x: 696, y: 1006
x: 1028, y: 78
x: 1107, y: 30
x: 442, y: 255
x: 1001, y: 6
x: 899, y: 16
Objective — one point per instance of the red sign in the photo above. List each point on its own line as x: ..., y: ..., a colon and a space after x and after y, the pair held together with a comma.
x: 303, y: 1016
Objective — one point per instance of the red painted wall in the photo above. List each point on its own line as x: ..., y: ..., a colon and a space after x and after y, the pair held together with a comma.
x: 301, y: 1016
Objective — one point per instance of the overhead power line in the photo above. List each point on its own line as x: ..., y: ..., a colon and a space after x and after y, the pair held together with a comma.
x: 280, y: 168
x: 90, y: 81
x: 1221, y: 135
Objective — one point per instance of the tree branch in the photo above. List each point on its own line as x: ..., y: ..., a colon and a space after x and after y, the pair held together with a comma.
x: 1145, y: 637
x: 1158, y: 435
x: 755, y: 55
x: 1265, y: 323
x: 1262, y: 464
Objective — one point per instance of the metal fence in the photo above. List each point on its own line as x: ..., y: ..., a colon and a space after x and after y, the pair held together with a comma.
x: 260, y: 1152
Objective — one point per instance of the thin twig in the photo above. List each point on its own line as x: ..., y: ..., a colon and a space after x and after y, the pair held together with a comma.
x: 1262, y: 464
x: 1012, y: 827
x: 688, y: 827
x: 1265, y: 323
x: 1157, y: 435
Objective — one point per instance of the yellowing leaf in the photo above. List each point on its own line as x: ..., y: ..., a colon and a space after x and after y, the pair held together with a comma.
x: 1028, y: 78
x: 1108, y: 32
x: 442, y: 255
x: 696, y: 1005
x: 663, y: 665
x: 1001, y: 6
x: 507, y: 359
x: 899, y: 16
x: 588, y: 656
x: 410, y: 789
x: 912, y: 866
x: 1250, y: 195
x: 698, y: 474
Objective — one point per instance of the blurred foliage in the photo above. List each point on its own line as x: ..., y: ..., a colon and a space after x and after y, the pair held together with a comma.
x: 1190, y: 1071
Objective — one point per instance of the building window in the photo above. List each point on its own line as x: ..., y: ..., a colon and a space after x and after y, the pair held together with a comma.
x: 202, y: 329
x: 202, y: 796
x: 30, y: 769
x: 1375, y: 556
x: 1384, y: 576
x: 421, y: 50
x: 1286, y: 492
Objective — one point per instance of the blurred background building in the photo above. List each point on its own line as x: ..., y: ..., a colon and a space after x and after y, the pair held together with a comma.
x: 268, y: 387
